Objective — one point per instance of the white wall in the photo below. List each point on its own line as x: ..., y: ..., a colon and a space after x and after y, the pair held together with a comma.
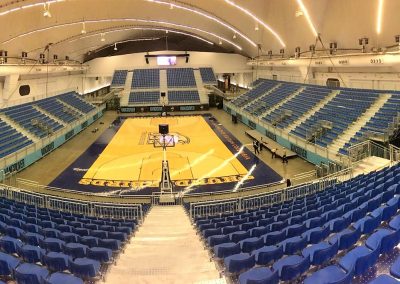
x: 361, y: 78
x: 220, y: 62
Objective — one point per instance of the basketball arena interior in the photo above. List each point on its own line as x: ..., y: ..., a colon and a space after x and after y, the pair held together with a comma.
x: 205, y: 142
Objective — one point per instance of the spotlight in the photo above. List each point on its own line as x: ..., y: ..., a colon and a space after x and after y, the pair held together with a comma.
x: 102, y: 37
x: 220, y: 42
x: 46, y: 10
x: 115, y: 47
x: 3, y: 56
x: 256, y: 27
x: 363, y: 42
x: 55, y: 57
x: 24, y: 55
x: 166, y: 31
x: 397, y: 39
x: 312, y: 48
x: 234, y: 36
x: 83, y: 31
x: 67, y: 58
x: 297, y: 52
x: 147, y: 60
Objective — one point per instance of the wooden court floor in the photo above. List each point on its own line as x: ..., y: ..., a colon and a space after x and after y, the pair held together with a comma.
x: 134, y: 153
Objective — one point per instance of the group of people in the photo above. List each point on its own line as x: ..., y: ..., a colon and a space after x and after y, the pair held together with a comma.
x: 258, y: 147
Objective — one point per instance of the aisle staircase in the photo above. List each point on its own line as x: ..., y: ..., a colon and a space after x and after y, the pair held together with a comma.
x: 270, y: 110
x: 165, y: 250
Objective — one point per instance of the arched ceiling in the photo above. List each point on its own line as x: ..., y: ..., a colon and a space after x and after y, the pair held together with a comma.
x: 226, y: 25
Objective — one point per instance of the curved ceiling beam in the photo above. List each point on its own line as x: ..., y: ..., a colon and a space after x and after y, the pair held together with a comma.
x: 254, y: 17
x: 164, y: 23
x: 24, y: 7
x: 202, y: 13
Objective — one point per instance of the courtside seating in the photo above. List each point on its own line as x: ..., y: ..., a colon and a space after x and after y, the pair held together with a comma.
x: 144, y: 98
x: 11, y: 140
x: 146, y: 79
x: 208, y: 76
x: 40, y: 245
x: 183, y: 97
x: 119, y: 78
x: 288, y: 238
x: 180, y: 77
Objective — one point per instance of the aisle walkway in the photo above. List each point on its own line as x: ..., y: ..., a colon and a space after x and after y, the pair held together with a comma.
x: 165, y: 250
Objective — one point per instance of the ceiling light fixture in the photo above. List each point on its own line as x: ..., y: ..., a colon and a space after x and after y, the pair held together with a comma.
x: 206, y: 15
x: 124, y: 20
x: 83, y: 31
x: 46, y: 10
x: 234, y: 36
x: 220, y: 42
x: 379, y: 17
x: 247, y: 12
x: 309, y: 21
x: 115, y: 47
x: 102, y: 37
x: 29, y: 6
x: 256, y: 27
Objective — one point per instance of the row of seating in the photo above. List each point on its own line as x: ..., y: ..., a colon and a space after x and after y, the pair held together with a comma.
x: 42, y: 245
x: 11, y: 140
x: 119, y: 78
x: 207, y: 75
x: 180, y: 77
x: 317, y: 225
x: 146, y: 98
x: 190, y: 96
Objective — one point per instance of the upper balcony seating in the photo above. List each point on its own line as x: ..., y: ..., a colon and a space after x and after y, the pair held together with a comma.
x: 183, y: 97
x: 11, y: 140
x: 119, y: 78
x: 297, y: 106
x: 208, y: 76
x: 146, y: 79
x: 342, y: 110
x: 180, y: 78
x: 144, y: 98
x: 56, y: 108
x: 75, y: 101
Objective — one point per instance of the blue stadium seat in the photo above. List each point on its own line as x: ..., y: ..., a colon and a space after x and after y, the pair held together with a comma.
x: 291, y: 267
x: 259, y: 275
x: 30, y: 273
x: 238, y: 263
x: 64, y: 278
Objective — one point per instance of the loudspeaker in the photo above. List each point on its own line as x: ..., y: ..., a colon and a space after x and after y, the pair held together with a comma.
x: 162, y: 94
x: 163, y: 129
x: 147, y: 60
x: 187, y: 59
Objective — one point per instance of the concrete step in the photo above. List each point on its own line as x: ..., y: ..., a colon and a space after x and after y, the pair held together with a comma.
x: 38, y: 108
x: 165, y: 249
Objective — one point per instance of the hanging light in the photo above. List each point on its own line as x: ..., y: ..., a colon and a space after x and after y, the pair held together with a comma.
x: 220, y: 42
x: 256, y: 27
x: 115, y: 47
x: 83, y: 31
x: 46, y: 10
x: 102, y: 37
x: 234, y: 36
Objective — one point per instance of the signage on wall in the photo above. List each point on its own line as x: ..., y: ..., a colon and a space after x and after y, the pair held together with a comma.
x: 376, y: 61
x: 96, y: 116
x: 156, y: 108
x: 84, y: 125
x: 184, y: 108
x: 228, y: 110
x: 47, y: 149
x: 270, y: 135
x: 239, y: 117
x: 343, y: 62
x: 252, y: 124
x: 69, y: 135
x: 15, y: 167
x: 127, y: 109
x: 299, y: 151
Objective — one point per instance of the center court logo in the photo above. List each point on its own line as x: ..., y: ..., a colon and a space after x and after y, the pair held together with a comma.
x: 154, y: 138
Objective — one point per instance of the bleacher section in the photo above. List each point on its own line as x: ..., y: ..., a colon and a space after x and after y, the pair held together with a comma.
x: 40, y: 245
x: 297, y: 106
x: 56, y: 108
x: 329, y: 236
x: 75, y: 101
x: 269, y: 101
x: 32, y: 120
x: 254, y: 93
x: 180, y: 78
x: 183, y: 97
x: 119, y: 78
x: 379, y: 123
x: 208, y: 76
x: 145, y: 98
x: 11, y: 140
x: 146, y: 79
x: 342, y: 110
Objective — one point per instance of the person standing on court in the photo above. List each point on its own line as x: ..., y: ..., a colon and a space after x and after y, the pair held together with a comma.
x: 273, y: 151
x: 284, y: 157
x: 255, y: 146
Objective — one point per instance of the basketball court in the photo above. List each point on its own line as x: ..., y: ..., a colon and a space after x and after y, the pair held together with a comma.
x: 201, y: 153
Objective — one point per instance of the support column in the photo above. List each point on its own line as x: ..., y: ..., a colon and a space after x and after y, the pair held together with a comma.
x: 10, y: 87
